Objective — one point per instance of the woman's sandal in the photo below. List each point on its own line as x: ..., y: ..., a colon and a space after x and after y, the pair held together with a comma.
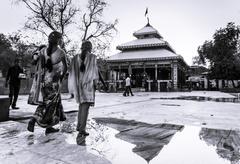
x: 80, y: 139
x: 31, y: 125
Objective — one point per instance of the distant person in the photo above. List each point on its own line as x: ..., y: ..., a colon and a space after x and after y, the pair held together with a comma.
x: 128, y: 87
x: 169, y: 86
x: 51, y: 69
x: 83, y: 79
x: 145, y: 83
x: 197, y: 84
x: 14, y: 81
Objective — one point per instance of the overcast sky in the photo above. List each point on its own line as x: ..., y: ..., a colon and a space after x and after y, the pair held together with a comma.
x: 185, y: 24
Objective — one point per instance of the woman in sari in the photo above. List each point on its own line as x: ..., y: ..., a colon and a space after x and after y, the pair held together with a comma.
x: 50, y: 69
x: 84, y: 75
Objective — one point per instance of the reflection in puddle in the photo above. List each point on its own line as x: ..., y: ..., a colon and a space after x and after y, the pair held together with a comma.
x: 30, y: 139
x: 201, y: 98
x: 227, y: 142
x: 149, y: 139
x: 128, y: 141
x: 11, y: 133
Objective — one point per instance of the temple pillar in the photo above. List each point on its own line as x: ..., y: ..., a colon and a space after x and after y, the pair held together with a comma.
x: 220, y: 84
x: 156, y: 73
x: 129, y: 69
x: 205, y: 83
x: 158, y: 84
x: 149, y: 84
x: 119, y: 76
x: 108, y: 72
x: 119, y: 70
x: 175, y: 75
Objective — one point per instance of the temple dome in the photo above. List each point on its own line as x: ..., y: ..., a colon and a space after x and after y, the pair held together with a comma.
x: 146, y: 32
x: 148, y: 45
x: 147, y: 38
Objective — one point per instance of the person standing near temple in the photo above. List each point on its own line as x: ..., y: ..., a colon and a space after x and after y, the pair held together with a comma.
x: 13, y: 79
x: 83, y: 79
x: 169, y: 86
x: 128, y: 87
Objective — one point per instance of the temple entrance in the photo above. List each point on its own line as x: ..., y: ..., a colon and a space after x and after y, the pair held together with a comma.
x: 137, y: 78
x: 150, y: 73
x: 164, y: 73
x: 163, y: 87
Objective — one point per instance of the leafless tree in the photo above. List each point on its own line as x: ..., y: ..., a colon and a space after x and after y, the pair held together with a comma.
x: 60, y: 14
x: 50, y: 15
x: 96, y: 29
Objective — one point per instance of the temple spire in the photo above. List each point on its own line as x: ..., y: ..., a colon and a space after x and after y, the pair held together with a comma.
x: 148, y: 24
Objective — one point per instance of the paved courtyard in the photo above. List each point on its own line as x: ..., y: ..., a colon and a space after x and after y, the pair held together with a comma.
x: 170, y: 127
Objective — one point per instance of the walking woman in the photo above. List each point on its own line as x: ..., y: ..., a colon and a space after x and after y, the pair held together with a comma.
x: 50, y: 69
x: 83, y: 78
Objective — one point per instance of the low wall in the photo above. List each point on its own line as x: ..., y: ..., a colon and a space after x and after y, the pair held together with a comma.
x: 26, y: 85
x: 4, y: 109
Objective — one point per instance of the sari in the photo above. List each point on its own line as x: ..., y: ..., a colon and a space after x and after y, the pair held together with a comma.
x: 45, y: 91
x: 83, y: 84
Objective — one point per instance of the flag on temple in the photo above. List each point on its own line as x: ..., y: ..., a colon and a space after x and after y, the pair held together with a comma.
x: 146, y: 12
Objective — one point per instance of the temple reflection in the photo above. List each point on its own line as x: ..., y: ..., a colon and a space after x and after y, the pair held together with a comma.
x: 227, y: 143
x: 148, y: 138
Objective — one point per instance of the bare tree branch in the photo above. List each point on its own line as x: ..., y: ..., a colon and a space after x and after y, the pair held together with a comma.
x: 94, y: 28
x: 53, y: 15
x: 59, y: 15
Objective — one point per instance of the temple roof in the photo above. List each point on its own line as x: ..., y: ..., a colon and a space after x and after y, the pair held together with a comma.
x: 150, y: 54
x: 142, y: 43
x: 149, y: 45
x: 147, y: 30
x: 147, y: 37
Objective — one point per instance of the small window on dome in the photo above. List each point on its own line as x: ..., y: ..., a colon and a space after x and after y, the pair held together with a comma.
x: 146, y: 36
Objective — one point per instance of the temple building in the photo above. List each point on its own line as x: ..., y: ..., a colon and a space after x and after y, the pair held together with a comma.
x: 150, y: 61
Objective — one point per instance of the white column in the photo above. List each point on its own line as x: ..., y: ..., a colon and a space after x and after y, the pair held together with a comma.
x: 119, y: 71
x: 156, y: 73
x: 129, y: 69
x: 220, y: 84
x: 149, y: 84
x: 205, y: 83
x: 117, y: 78
x: 175, y: 75
x: 158, y: 84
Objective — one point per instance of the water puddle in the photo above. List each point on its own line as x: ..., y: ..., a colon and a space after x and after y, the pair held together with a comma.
x: 170, y: 104
x: 200, y: 98
x: 127, y: 141
x: 11, y: 133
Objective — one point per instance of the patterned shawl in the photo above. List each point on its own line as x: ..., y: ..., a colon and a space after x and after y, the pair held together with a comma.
x: 76, y: 77
x: 35, y: 95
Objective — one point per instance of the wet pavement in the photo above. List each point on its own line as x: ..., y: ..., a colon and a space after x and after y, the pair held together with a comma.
x: 202, y: 98
x: 140, y: 129
x: 119, y: 141
x: 22, y: 147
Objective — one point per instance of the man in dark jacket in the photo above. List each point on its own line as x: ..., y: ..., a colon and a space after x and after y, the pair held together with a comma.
x: 14, y: 81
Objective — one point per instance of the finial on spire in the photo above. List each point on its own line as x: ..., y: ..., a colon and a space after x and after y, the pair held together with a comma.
x: 146, y: 14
